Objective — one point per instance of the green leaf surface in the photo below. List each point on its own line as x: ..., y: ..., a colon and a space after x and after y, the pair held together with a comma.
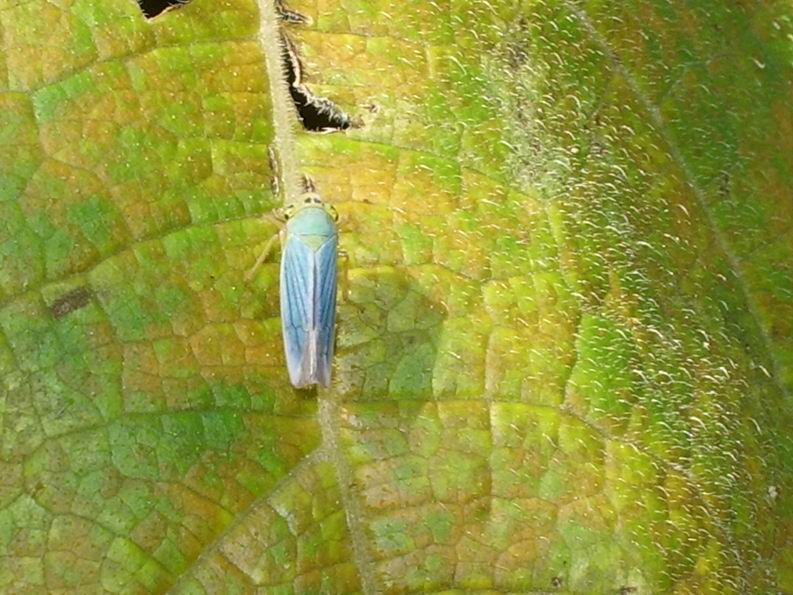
x: 565, y: 358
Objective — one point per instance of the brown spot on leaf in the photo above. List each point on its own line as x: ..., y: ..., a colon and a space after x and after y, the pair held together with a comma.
x: 71, y: 301
x: 724, y: 184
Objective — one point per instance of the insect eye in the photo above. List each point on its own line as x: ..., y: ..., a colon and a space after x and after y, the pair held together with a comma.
x: 288, y: 213
x: 333, y: 213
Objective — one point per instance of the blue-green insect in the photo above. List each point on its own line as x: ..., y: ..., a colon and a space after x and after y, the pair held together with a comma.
x: 308, y: 288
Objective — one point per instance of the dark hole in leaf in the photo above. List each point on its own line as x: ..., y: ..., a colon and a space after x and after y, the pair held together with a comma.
x: 316, y: 113
x: 71, y: 301
x: 151, y: 8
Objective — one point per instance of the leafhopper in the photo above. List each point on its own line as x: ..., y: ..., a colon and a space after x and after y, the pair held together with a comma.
x: 309, y: 262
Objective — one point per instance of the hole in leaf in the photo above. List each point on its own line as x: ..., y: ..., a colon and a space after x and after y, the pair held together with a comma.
x: 151, y: 8
x: 316, y: 113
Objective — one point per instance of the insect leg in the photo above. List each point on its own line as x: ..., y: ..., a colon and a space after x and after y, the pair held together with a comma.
x: 265, y: 253
x: 275, y: 220
x: 345, y: 277
x: 275, y: 217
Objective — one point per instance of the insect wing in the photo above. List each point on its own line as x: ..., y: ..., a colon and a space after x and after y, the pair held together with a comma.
x: 297, y: 282
x: 308, y: 309
x: 325, y: 308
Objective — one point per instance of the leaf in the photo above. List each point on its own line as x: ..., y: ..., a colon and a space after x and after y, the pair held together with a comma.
x: 564, y: 363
